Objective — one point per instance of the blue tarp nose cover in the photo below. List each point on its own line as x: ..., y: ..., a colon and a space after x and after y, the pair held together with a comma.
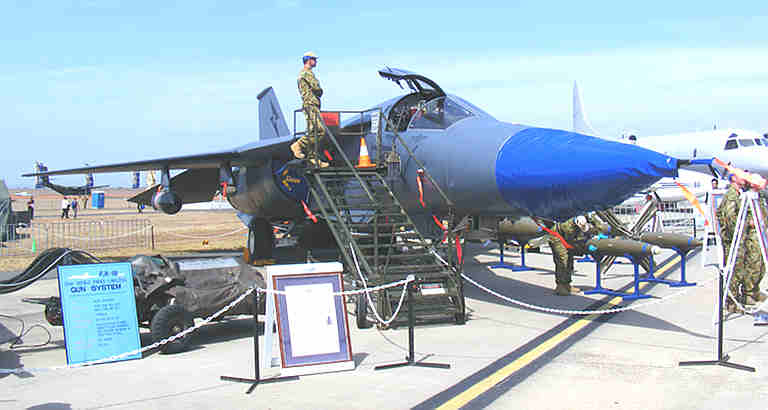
x: 559, y: 174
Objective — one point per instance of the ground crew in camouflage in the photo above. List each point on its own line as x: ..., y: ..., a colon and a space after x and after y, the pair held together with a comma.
x: 749, y: 268
x: 576, y: 231
x: 310, y: 91
x: 754, y: 264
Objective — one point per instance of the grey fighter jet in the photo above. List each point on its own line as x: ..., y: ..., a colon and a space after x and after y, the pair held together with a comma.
x: 485, y: 166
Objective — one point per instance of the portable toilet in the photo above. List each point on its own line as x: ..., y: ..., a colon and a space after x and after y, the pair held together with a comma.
x: 97, y: 199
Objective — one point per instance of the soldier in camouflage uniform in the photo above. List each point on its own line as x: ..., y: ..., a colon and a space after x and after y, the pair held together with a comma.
x: 748, y: 270
x: 576, y: 231
x: 310, y: 91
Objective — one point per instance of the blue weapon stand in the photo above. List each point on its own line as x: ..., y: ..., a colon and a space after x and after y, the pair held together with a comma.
x: 514, y: 268
x: 626, y: 296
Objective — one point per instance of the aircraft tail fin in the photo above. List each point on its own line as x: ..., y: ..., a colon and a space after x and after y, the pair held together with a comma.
x: 580, y: 122
x: 271, y: 121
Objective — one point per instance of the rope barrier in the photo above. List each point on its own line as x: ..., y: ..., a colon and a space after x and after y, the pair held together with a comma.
x: 91, y: 238
x: 167, y: 231
x: 206, y: 236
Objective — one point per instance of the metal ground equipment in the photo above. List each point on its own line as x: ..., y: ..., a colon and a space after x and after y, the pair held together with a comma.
x: 378, y: 240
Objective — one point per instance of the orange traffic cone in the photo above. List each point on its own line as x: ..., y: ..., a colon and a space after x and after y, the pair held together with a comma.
x: 364, y: 161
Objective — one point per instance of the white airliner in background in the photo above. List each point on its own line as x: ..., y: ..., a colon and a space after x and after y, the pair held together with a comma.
x: 744, y: 149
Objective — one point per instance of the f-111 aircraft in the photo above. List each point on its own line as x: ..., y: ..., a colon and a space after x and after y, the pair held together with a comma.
x: 485, y: 166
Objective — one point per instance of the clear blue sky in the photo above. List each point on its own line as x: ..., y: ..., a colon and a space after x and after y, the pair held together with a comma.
x: 110, y: 81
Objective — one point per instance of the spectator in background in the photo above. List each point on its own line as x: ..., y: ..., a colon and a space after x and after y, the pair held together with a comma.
x: 31, y: 207
x: 74, y: 207
x: 64, y: 208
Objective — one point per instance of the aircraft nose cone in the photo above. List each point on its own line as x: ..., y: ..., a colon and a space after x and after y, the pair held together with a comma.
x: 558, y: 174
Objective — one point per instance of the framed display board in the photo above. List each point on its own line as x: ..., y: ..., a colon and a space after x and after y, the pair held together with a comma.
x: 99, y: 309
x: 311, y: 322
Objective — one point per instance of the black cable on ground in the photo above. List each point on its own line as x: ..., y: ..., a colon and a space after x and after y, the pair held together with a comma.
x: 16, y: 341
x: 43, y: 263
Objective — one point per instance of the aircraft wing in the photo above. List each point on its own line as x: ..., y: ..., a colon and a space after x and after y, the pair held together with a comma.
x: 194, y: 185
x: 239, y: 156
x: 702, y: 165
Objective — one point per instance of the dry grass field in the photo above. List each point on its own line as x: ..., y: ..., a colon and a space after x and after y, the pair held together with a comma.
x: 187, y: 231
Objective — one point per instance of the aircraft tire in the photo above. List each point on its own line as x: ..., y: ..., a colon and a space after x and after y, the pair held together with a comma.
x: 261, y: 239
x: 168, y: 321
x: 362, y: 312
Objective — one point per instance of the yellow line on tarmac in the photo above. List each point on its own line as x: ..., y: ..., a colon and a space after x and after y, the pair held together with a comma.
x: 500, y: 375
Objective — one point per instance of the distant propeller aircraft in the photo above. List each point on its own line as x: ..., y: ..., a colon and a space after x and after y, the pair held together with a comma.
x: 485, y: 166
x: 82, y: 190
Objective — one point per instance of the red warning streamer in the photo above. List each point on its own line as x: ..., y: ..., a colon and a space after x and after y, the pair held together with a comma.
x: 308, y: 212
x: 692, y: 199
x: 553, y: 233
x: 419, y: 175
x: 459, y: 251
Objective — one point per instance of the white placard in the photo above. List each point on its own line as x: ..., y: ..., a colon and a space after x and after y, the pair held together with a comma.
x: 375, y: 122
x: 312, y: 316
x: 312, y: 331
x: 200, y: 264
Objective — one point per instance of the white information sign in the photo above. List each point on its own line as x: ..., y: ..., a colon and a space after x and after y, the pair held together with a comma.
x: 310, y: 318
x: 375, y: 122
x: 313, y: 319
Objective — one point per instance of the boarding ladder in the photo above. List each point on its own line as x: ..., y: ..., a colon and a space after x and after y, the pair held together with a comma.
x: 378, y: 240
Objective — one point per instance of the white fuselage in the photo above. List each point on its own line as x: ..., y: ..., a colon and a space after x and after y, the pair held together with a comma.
x: 744, y: 149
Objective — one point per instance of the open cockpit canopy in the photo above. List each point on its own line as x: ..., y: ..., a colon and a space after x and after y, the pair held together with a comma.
x: 417, y: 83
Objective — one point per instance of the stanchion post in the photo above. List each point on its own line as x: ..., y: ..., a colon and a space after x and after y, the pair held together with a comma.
x: 257, y: 378
x: 722, y: 360
x: 410, y: 359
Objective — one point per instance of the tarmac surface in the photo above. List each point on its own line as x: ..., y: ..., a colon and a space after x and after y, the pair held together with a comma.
x: 505, y: 356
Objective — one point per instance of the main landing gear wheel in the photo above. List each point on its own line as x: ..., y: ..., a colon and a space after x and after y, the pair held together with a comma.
x: 362, y: 312
x: 261, y: 239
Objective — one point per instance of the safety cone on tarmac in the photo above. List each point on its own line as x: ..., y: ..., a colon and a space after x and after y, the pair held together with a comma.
x: 364, y: 161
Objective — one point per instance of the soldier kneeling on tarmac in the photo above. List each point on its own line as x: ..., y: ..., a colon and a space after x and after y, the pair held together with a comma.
x: 576, y: 232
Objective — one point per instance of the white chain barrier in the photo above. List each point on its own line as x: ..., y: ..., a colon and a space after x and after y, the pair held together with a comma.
x: 366, y: 290
x: 750, y: 310
x: 23, y: 370
x: 368, y: 294
x: 566, y: 311
x: 582, y: 312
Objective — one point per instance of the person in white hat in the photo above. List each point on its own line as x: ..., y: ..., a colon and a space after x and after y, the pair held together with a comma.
x: 310, y: 90
x: 575, y: 231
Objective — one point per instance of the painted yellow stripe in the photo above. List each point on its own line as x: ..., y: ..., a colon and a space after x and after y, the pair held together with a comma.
x: 500, y: 375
